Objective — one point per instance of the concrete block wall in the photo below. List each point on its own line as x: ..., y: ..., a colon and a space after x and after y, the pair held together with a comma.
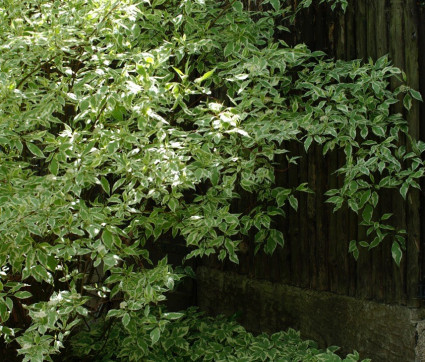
x: 382, y: 332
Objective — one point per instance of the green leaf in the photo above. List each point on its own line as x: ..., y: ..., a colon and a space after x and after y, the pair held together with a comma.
x: 4, y: 313
x: 125, y: 319
x: 84, y: 105
x: 9, y: 303
x: 277, y: 235
x: 40, y: 274
x: 52, y: 262
x: 214, y: 176
x: 234, y: 258
x: 376, y: 87
x: 396, y: 252
x: 367, y: 213
x: 54, y: 166
x: 155, y: 334
x: 386, y: 216
x: 108, y: 239
x: 354, y: 249
x: 281, y: 198
x: 173, y: 315
x: 205, y: 76
x: 114, y: 313
x: 407, y: 101
x: 228, y: 49
x: 173, y: 204
x: 379, y: 131
x: 375, y: 242
x: 105, y: 185
x: 415, y: 94
x: 229, y: 246
x: 275, y: 4
x: 23, y: 294
x: 307, y: 143
x: 352, y: 204
x: 109, y: 261
x: 403, y: 189
x: 238, y: 6
x: 365, y: 198
x: 293, y: 202
x: 35, y: 150
x: 270, y: 246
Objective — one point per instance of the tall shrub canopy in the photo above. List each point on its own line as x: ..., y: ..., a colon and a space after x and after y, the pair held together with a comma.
x: 125, y: 122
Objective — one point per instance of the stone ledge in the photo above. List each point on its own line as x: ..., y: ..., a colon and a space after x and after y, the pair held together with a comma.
x: 382, y: 332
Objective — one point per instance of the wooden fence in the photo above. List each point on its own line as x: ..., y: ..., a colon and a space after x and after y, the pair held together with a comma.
x: 316, y: 252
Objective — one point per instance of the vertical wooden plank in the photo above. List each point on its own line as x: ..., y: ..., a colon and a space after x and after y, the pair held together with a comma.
x: 324, y: 38
x: 364, y: 260
x: 421, y: 47
x: 251, y: 258
x: 341, y: 37
x: 396, y: 42
x: 334, y: 242
x: 342, y: 238
x: 360, y: 20
x: 413, y: 219
x: 331, y: 22
x: 304, y: 237
x: 339, y: 275
x: 373, y: 17
x: 322, y: 238
x: 351, y: 31
x: 319, y: 35
x: 293, y: 220
x: 385, y: 281
x: 284, y: 254
x: 352, y: 263
x: 381, y: 28
x: 311, y: 217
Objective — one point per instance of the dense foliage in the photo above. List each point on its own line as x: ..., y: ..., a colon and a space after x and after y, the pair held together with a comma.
x: 124, y: 122
x: 199, y: 338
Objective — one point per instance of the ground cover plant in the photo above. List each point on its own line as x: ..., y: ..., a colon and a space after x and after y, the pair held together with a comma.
x: 196, y: 337
x: 127, y: 122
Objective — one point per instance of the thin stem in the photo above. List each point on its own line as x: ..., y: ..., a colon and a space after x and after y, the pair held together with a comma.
x: 228, y: 5
x: 36, y: 69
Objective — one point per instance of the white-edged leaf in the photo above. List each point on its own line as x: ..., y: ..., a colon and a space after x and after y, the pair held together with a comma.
x: 105, y: 185
x: 396, y: 252
x: 173, y: 204
x: 54, y: 166
x: 155, y: 334
x: 307, y: 143
x: 275, y: 4
x: 35, y: 150
x: 238, y: 6
x: 126, y: 319
x: 293, y: 202
x: 403, y: 190
x: 107, y: 239
x: 228, y: 49
x: 415, y: 94
x: 23, y: 294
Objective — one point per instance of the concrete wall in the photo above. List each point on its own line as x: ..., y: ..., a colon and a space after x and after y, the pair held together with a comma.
x: 378, y: 331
